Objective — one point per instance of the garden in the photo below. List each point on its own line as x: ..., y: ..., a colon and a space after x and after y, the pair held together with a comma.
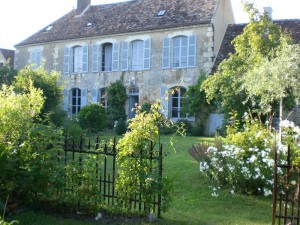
x: 97, y: 168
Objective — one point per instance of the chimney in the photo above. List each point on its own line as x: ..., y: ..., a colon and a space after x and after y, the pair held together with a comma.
x: 82, y: 5
x: 268, y: 10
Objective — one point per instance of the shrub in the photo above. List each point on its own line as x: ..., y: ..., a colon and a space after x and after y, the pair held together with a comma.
x: 92, y: 116
x: 197, y: 131
x: 146, y: 107
x: 245, y: 164
x: 253, y: 134
x: 73, y: 129
x: 240, y: 172
x: 121, y: 127
x: 135, y: 166
x: 116, y: 98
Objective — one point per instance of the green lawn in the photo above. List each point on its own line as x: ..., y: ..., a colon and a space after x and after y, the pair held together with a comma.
x: 192, y: 201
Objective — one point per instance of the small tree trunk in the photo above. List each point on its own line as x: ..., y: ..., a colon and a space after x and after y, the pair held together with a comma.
x: 280, y: 119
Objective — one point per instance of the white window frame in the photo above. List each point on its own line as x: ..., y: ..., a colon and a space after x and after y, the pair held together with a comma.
x: 181, y: 91
x: 77, y: 59
x: 182, y: 50
x: 36, y: 58
x: 104, y: 60
x: 137, y: 55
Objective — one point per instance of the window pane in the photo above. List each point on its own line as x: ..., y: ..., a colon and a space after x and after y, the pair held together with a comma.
x: 107, y: 57
x: 175, y: 102
x: 77, y: 59
x: 137, y: 55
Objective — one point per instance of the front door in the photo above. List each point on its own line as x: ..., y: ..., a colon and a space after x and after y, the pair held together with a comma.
x: 133, y: 93
x: 133, y: 100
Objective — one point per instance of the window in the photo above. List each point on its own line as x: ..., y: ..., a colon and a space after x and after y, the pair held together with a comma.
x: 107, y: 57
x: 161, y: 13
x: 137, y: 62
x: 75, y: 100
x: 76, y: 59
x: 180, y: 51
x: 139, y: 52
x: 183, y: 51
x: 36, y: 58
x: 103, y: 97
x: 177, y: 102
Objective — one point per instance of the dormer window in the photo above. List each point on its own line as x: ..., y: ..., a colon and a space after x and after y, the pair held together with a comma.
x: 161, y: 13
x: 89, y: 24
x: 49, y: 28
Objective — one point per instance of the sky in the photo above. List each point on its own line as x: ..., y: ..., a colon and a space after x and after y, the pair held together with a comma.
x: 20, y: 19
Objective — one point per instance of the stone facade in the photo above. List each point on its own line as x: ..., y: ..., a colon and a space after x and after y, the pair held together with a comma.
x: 145, y: 84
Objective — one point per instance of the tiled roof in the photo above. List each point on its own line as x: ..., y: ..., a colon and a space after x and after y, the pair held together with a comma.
x: 8, y: 54
x: 131, y: 16
x: 292, y: 26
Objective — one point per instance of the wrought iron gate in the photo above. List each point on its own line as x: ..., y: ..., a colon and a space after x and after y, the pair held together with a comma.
x: 286, y: 197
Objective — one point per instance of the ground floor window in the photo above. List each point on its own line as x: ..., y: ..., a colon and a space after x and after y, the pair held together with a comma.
x: 177, y: 102
x: 75, y: 100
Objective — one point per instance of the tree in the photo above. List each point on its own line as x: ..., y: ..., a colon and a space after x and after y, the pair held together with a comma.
x: 278, y: 77
x: 26, y: 147
x: 92, y: 116
x: 195, y: 102
x: 116, y: 98
x: 257, y: 42
x: 7, y: 74
x: 46, y: 81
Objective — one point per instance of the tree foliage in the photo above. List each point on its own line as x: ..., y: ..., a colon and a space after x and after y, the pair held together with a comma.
x: 195, y: 101
x: 26, y: 147
x: 47, y: 82
x: 278, y: 77
x: 259, y: 39
x: 116, y: 98
x: 7, y: 75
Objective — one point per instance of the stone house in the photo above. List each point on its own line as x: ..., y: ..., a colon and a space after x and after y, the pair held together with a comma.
x: 155, y: 45
x: 7, y: 56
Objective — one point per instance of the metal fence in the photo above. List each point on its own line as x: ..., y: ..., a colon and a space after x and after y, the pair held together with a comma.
x: 286, y: 196
x: 90, y: 172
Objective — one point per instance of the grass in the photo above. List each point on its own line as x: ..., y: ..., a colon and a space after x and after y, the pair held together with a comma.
x: 192, y: 201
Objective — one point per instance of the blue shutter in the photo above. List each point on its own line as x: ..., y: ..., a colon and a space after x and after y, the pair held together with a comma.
x: 66, y: 99
x: 95, y: 58
x: 147, y: 54
x: 66, y: 60
x: 192, y: 51
x: 124, y: 59
x: 115, y: 56
x: 166, y: 53
x: 83, y: 97
x: 164, y: 100
x: 94, y: 95
x: 85, y: 58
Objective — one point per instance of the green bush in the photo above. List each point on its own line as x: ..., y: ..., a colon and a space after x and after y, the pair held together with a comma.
x: 92, y: 116
x: 73, y: 129
x: 197, y: 131
x: 245, y: 163
x: 116, y: 98
x: 253, y: 134
x: 135, y: 166
x: 121, y: 127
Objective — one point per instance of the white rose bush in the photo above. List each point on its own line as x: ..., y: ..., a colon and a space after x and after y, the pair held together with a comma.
x: 245, y: 164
